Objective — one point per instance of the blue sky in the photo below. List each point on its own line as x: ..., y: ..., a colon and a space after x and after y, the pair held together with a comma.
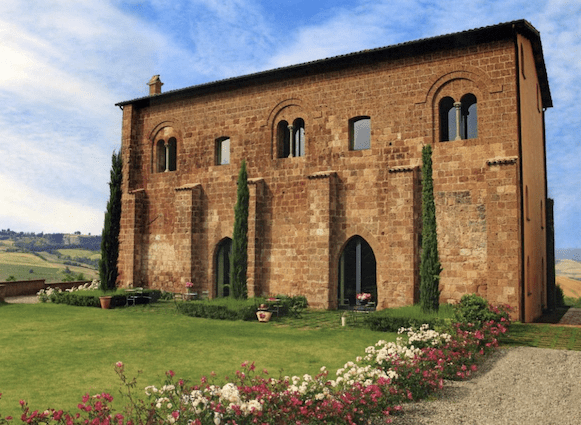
x: 65, y: 63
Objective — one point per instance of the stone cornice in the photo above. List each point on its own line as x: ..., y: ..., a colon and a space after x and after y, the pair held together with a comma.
x: 502, y: 161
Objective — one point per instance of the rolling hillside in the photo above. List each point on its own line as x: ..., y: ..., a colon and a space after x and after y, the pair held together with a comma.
x: 569, y: 277
x: 52, y: 266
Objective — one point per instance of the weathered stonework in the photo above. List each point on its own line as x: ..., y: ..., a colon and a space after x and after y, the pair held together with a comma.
x: 307, y: 208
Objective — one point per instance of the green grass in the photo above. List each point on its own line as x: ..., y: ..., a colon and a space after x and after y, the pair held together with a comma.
x: 81, y: 253
x: 44, y: 266
x: 51, y: 355
x: 446, y: 311
x: 543, y: 336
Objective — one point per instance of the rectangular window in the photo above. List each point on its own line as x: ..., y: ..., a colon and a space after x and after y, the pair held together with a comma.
x: 360, y: 133
x: 223, y: 151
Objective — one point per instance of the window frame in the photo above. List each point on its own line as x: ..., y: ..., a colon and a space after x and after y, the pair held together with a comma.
x: 219, y: 150
x: 353, y: 130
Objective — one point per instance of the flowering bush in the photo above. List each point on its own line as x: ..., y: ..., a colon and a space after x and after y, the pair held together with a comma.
x: 389, y: 374
x: 44, y: 295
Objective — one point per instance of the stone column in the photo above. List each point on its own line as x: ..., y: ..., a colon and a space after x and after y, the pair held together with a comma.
x: 291, y: 141
x: 458, y: 107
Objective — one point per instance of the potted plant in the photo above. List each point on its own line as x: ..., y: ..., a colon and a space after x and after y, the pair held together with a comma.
x: 189, y: 291
x: 263, y: 314
x: 105, y: 301
x: 363, y: 298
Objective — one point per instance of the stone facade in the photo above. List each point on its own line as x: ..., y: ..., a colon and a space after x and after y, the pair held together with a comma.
x: 340, y: 193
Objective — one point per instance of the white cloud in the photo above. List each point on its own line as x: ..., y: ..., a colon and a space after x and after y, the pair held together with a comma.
x: 64, y: 64
x: 22, y: 207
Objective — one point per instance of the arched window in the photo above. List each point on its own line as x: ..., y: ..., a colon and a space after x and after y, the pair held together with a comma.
x: 447, y: 119
x: 223, y: 151
x: 359, y: 133
x: 357, y: 272
x: 283, y: 140
x: 458, y: 120
x: 166, y: 155
x: 298, y: 130
x: 223, y: 268
x: 160, y: 151
x: 469, y: 117
x: 172, y: 147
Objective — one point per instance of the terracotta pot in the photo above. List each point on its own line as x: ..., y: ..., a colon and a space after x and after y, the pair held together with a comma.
x: 105, y: 302
x: 263, y: 316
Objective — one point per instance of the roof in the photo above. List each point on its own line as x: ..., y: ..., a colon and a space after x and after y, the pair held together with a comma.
x: 491, y: 33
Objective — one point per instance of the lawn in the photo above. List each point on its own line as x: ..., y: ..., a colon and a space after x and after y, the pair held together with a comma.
x: 26, y: 266
x: 51, y: 355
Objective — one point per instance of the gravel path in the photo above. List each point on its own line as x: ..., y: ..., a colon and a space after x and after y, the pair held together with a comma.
x: 23, y: 299
x: 521, y: 385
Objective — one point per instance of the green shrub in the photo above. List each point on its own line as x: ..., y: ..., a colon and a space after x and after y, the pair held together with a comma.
x: 220, y: 308
x: 229, y: 308
x: 477, y: 311
x: 91, y: 298
x: 391, y: 320
x: 559, y: 296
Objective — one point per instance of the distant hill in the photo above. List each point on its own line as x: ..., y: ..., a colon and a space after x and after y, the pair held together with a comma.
x: 568, y: 254
x: 38, y: 242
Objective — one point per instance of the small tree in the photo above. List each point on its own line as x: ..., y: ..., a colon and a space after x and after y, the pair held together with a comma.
x: 239, y: 257
x: 110, y: 238
x: 430, y: 264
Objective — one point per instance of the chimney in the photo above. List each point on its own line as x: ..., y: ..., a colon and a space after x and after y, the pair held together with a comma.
x: 155, y: 85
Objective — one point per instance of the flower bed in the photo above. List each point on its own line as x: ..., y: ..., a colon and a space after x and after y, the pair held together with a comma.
x: 375, y: 384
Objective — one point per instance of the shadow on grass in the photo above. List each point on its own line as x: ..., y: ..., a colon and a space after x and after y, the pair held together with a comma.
x: 553, y: 316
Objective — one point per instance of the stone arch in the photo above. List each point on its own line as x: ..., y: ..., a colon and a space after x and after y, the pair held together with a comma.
x: 337, y: 250
x: 456, y: 84
x: 221, y: 268
x: 289, y: 110
x: 476, y: 75
x: 357, y: 271
x: 170, y: 133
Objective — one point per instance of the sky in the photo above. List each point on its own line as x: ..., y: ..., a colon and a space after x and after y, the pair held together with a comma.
x: 65, y: 63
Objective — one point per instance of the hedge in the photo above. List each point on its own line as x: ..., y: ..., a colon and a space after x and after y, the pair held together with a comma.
x: 87, y: 300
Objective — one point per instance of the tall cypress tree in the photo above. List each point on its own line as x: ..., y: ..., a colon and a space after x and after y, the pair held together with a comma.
x: 430, y: 264
x: 110, y: 237
x: 239, y: 257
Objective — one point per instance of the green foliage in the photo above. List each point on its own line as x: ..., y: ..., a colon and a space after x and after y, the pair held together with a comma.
x: 91, y: 298
x: 239, y: 257
x: 230, y: 308
x: 392, y: 319
x: 227, y: 308
x: 11, y: 278
x: 58, y: 353
x: 559, y: 296
x: 430, y: 268
x: 477, y: 311
x: 110, y: 238
x: 573, y: 302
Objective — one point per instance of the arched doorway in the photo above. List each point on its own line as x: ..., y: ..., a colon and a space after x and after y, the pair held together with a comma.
x: 357, y: 272
x: 223, y: 268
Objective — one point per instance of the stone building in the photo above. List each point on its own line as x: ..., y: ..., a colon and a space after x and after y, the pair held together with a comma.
x: 333, y: 149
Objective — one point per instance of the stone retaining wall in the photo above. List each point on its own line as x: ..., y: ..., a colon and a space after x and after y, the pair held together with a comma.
x: 31, y: 287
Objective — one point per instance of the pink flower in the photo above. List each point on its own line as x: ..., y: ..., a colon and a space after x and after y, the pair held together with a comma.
x: 170, y: 373
x: 119, y: 365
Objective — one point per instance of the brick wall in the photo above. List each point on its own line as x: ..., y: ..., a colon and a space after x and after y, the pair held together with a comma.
x: 305, y: 209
